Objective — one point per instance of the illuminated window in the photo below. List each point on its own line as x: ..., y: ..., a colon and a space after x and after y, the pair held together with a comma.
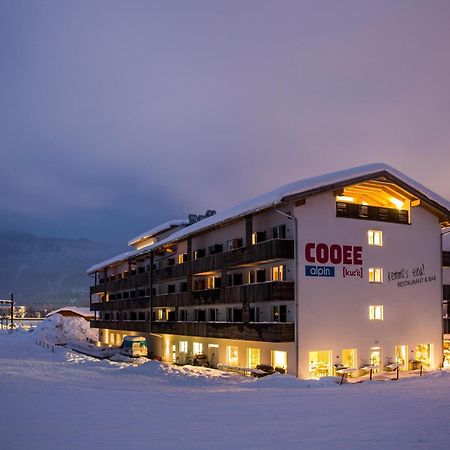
x: 183, y: 346
x: 375, y: 358
x: 423, y: 354
x: 232, y: 355
x: 376, y: 312
x: 279, y: 359
x: 160, y: 314
x: 213, y: 282
x: 253, y: 357
x: 375, y: 275
x: 401, y: 356
x: 197, y: 348
x: 279, y: 273
x: 375, y: 237
x: 182, y: 258
x: 319, y: 364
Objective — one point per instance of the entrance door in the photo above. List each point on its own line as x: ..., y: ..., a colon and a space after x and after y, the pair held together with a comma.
x: 375, y: 358
x: 213, y: 354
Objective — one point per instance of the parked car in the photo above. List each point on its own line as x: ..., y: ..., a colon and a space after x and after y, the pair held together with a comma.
x: 134, y: 346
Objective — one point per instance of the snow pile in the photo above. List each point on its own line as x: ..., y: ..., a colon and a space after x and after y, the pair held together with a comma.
x: 58, y: 329
x: 278, y: 380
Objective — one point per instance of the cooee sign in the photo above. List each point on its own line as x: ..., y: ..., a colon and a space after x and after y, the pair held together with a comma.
x: 334, y: 254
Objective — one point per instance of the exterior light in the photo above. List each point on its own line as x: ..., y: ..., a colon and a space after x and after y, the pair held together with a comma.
x: 398, y: 203
x: 345, y: 198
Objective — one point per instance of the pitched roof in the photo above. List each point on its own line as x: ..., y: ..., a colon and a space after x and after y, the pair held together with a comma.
x: 305, y: 187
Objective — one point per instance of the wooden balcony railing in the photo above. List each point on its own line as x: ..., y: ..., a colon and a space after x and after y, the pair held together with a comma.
x: 118, y: 305
x: 175, y: 271
x: 268, y: 332
x: 264, y: 251
x: 126, y: 325
x: 130, y: 282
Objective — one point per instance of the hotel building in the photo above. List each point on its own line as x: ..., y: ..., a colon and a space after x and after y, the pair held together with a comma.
x: 340, y: 269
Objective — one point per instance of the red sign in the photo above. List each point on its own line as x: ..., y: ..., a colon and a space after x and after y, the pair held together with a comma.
x: 334, y: 254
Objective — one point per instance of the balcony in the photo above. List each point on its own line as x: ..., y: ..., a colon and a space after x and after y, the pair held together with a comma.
x: 175, y: 271
x: 126, y: 325
x: 446, y: 259
x: 258, y: 253
x: 267, y: 332
x: 117, y: 305
x: 376, y: 213
x: 130, y: 282
x: 248, y: 293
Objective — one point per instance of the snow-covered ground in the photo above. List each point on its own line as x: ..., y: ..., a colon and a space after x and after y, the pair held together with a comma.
x: 63, y: 400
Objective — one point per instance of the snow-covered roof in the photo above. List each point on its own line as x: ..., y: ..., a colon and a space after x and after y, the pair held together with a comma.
x: 79, y: 310
x: 301, y: 187
x: 158, y: 229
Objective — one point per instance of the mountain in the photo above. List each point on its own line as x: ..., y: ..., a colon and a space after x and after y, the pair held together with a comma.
x: 48, y: 271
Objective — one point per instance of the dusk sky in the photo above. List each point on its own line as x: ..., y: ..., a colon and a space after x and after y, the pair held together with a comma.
x: 116, y: 116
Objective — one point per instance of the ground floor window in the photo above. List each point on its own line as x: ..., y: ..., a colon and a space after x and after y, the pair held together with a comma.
x: 447, y: 354
x: 253, y: 357
x: 401, y: 356
x: 319, y: 364
x: 232, y: 355
x: 183, y: 346
x: 349, y: 358
x: 197, y: 348
x: 279, y: 359
x: 423, y: 354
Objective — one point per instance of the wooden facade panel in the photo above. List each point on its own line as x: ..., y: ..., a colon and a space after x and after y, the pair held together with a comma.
x: 263, y: 251
x: 268, y: 332
x: 126, y: 325
x: 249, y: 293
x: 118, y: 305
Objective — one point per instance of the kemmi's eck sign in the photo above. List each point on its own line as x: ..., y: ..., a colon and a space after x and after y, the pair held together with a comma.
x: 334, y: 254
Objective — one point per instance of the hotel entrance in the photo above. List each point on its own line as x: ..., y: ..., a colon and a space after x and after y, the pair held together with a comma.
x: 320, y: 364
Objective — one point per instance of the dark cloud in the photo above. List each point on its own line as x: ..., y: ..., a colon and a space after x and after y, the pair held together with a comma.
x: 118, y: 115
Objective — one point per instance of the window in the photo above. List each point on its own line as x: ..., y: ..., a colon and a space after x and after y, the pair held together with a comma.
x: 375, y: 275
x: 200, y: 315
x: 423, y: 354
x: 258, y: 236
x: 182, y: 258
x: 279, y: 232
x: 375, y: 237
x: 182, y: 315
x: 235, y: 279
x: 279, y: 273
x: 197, y: 348
x: 279, y: 359
x: 213, y: 282
x: 254, y: 314
x: 376, y: 312
x: 319, y: 364
x: 183, y: 346
x: 401, y: 356
x: 213, y: 315
x: 200, y: 253
x: 279, y: 313
x: 216, y: 248
x: 232, y: 355
x: 257, y: 276
x: 253, y: 357
x: 233, y: 243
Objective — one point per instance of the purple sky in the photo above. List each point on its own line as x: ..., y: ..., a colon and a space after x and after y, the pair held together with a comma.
x: 116, y: 116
